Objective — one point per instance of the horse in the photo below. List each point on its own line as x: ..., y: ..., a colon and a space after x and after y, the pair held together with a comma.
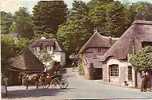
x: 28, y: 79
x: 45, y: 80
x: 41, y: 79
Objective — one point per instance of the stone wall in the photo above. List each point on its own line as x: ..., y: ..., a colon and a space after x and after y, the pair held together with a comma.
x: 123, y: 73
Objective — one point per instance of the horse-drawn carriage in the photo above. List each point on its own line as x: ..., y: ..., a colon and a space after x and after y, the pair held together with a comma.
x: 45, y: 80
x: 52, y: 77
x: 32, y: 71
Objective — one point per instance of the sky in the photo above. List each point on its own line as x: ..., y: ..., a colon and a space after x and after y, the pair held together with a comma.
x: 13, y: 5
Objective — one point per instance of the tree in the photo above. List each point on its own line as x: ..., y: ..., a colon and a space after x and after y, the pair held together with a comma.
x: 141, y: 11
x: 142, y: 60
x: 78, y: 28
x: 47, y: 15
x: 94, y: 3
x: 108, y: 17
x: 22, y: 23
x: 6, y: 21
x: 11, y: 47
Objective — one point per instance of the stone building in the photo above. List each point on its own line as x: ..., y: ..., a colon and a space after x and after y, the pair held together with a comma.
x: 116, y: 68
x: 106, y: 58
x: 25, y: 62
x: 96, y: 46
x: 50, y: 48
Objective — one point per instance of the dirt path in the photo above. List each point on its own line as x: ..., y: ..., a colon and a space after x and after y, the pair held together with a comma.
x: 79, y: 88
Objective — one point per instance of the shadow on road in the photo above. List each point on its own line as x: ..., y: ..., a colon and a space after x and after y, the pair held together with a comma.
x: 35, y: 92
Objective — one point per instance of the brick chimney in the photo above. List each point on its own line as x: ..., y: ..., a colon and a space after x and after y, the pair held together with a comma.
x: 110, y: 40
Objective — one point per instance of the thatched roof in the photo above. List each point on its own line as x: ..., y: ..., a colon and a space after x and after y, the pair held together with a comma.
x: 140, y: 31
x: 43, y: 42
x: 27, y: 61
x: 47, y: 42
x: 98, y: 40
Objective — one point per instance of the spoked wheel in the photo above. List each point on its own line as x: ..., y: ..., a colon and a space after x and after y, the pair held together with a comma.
x: 48, y: 85
x: 54, y: 83
x: 64, y: 84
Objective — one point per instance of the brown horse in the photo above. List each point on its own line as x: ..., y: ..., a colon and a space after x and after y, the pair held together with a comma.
x: 28, y: 79
x: 36, y: 79
x: 45, y: 80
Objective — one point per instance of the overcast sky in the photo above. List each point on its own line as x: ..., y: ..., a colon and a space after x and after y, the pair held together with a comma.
x: 13, y: 5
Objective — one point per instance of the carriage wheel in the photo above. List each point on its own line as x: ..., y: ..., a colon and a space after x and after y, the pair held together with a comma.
x: 64, y: 84
x: 54, y: 83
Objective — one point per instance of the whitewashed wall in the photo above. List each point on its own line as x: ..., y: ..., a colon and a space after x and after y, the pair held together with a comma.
x: 123, y: 73
x: 59, y: 57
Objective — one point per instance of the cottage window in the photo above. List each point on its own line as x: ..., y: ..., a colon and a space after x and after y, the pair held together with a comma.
x: 99, y: 49
x: 129, y: 73
x: 114, y: 70
x: 37, y: 49
x: 51, y: 49
x: 145, y: 44
x: 91, y: 65
x: 41, y: 48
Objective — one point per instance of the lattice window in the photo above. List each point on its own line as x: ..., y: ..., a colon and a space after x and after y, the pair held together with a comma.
x: 114, y: 70
x: 99, y: 49
x: 130, y: 73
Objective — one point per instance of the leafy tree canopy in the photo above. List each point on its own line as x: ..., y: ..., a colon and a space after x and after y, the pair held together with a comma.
x: 109, y: 17
x: 142, y: 60
x: 22, y: 23
x: 6, y: 21
x: 141, y: 11
x: 10, y: 47
x: 77, y: 29
x: 47, y: 15
x: 94, y: 3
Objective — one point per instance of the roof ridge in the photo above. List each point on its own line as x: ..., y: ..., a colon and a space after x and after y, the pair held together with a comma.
x: 83, y: 47
x: 123, y: 42
x: 142, y: 22
x: 94, y: 34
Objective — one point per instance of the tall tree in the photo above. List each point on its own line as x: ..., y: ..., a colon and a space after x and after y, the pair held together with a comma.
x: 5, y: 22
x: 77, y: 29
x: 22, y: 23
x: 47, y: 15
x: 141, y: 11
x: 94, y: 3
x: 108, y: 17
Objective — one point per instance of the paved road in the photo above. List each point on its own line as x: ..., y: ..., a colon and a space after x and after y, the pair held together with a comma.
x: 79, y: 89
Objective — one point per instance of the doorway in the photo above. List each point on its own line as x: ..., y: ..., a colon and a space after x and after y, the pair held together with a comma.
x: 97, y: 74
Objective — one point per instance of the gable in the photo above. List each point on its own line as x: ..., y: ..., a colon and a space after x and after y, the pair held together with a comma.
x: 97, y: 40
x: 131, y: 40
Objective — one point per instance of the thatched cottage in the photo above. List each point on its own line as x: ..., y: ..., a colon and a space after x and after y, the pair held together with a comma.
x: 96, y: 46
x: 106, y: 58
x: 26, y: 62
x: 51, y: 48
x: 116, y: 68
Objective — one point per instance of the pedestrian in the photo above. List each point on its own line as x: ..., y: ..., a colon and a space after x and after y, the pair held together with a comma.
x: 144, y: 83
x: 148, y: 79
x: 27, y: 81
x: 5, y: 79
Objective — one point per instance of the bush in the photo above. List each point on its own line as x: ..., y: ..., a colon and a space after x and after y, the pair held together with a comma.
x: 81, y: 70
x: 142, y: 60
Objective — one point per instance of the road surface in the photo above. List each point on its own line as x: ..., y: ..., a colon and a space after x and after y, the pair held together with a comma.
x: 79, y: 88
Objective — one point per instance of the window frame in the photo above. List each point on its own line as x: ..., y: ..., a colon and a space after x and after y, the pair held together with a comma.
x: 99, y: 49
x: 114, y: 70
x: 130, y: 73
x: 92, y: 65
